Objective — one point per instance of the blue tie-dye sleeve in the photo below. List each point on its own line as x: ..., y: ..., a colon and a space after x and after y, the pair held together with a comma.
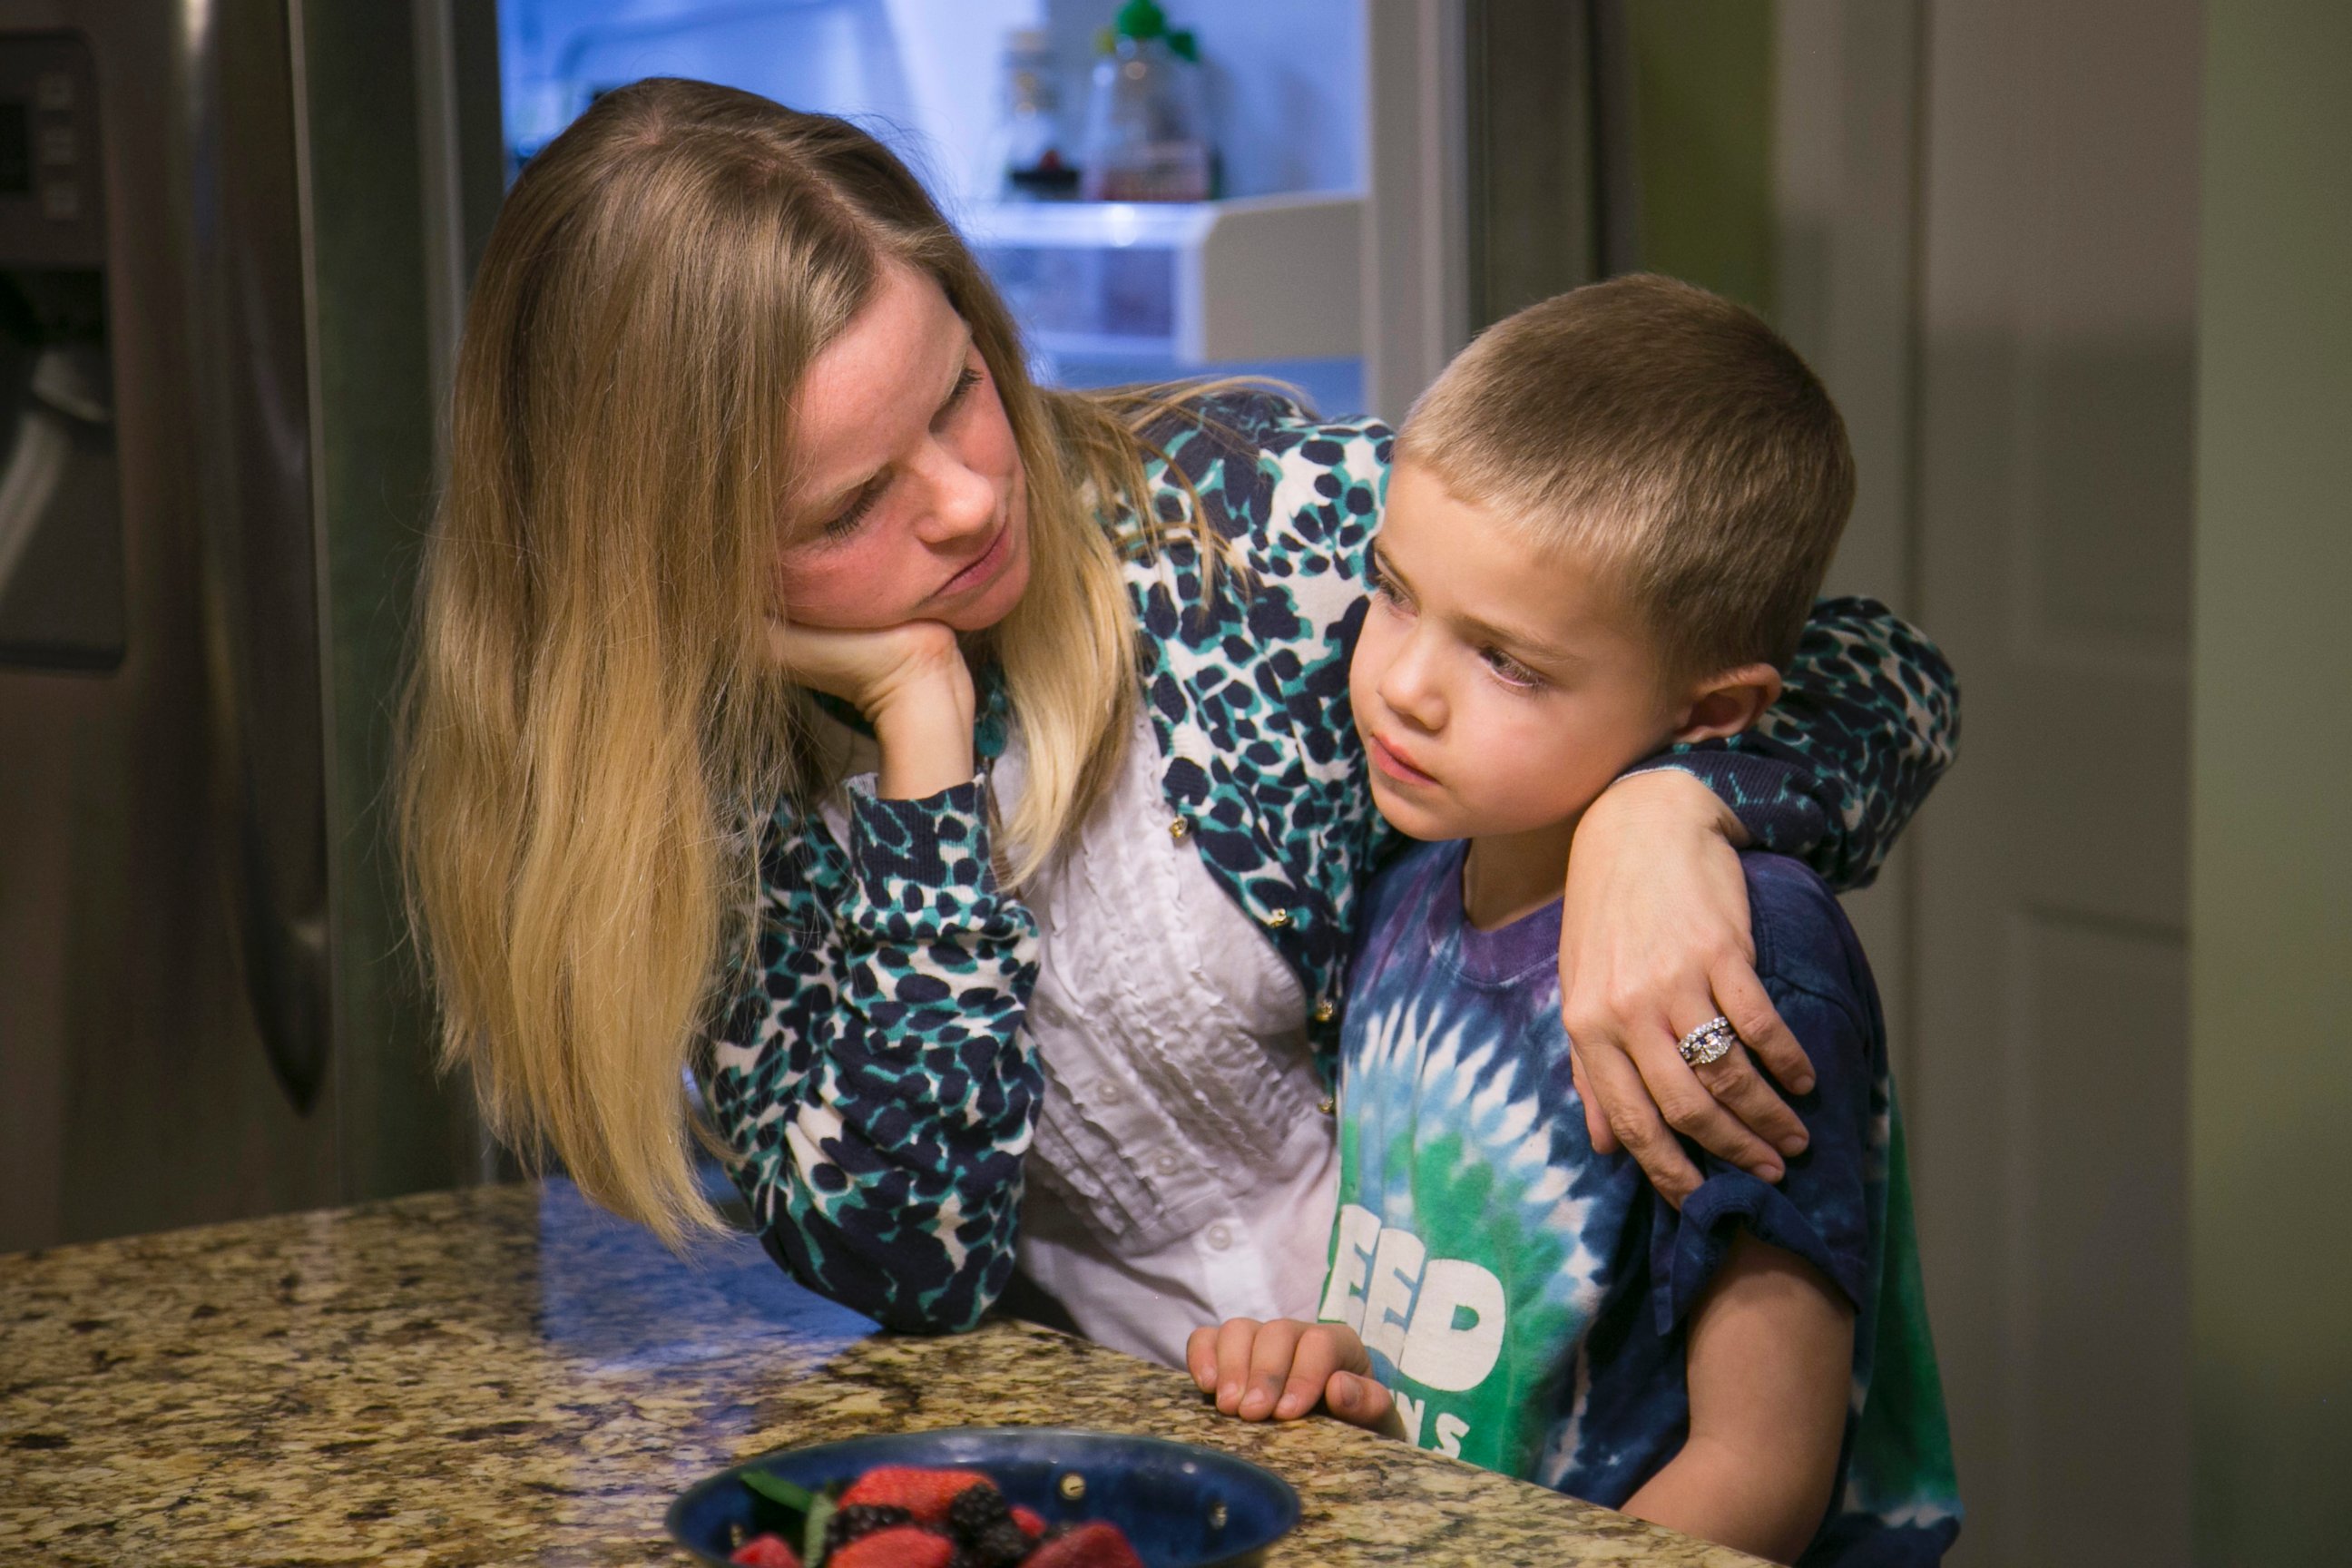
x: 1823, y: 1210
x: 1817, y: 1212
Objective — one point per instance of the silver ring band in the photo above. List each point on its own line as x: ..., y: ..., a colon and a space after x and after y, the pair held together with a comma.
x: 1710, y: 1042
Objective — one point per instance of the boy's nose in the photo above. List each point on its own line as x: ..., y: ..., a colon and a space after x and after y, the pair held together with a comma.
x: 1408, y: 685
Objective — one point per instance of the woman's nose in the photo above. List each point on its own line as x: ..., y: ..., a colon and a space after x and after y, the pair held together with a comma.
x: 964, y: 501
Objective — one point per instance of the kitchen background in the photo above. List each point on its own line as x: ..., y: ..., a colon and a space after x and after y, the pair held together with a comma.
x: 235, y: 236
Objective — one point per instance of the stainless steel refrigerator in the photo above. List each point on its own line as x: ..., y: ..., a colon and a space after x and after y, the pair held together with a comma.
x: 233, y: 236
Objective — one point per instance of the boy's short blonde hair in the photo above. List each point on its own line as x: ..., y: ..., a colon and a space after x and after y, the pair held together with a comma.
x: 1672, y: 434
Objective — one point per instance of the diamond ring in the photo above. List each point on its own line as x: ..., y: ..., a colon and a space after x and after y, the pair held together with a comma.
x: 1710, y: 1042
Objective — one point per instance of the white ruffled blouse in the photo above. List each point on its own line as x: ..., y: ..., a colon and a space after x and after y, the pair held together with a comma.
x: 1185, y: 1163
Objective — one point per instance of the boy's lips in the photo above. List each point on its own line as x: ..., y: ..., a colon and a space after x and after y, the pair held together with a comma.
x: 1395, y: 763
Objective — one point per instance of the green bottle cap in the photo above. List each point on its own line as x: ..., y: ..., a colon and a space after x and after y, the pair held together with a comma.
x: 1141, y: 19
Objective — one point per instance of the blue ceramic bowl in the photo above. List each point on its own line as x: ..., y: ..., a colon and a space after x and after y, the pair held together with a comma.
x: 1181, y: 1506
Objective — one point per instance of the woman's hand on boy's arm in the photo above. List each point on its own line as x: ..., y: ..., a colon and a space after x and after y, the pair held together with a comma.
x: 1654, y: 942
x: 1282, y: 1369
x: 1769, y: 1368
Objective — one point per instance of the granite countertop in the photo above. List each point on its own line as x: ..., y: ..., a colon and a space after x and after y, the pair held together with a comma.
x: 505, y: 1375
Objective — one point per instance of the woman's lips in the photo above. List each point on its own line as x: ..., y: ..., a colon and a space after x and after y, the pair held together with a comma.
x: 983, y: 567
x: 1392, y: 763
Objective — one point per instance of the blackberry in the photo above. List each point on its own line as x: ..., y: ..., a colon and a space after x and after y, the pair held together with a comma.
x: 998, y: 1546
x: 860, y: 1519
x: 986, y: 1535
x: 975, y: 1508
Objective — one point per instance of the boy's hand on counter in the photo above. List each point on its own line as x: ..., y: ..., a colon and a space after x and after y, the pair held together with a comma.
x: 1283, y: 1369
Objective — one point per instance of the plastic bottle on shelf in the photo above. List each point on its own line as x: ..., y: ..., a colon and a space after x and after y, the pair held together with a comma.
x: 1145, y: 141
x: 1032, y: 153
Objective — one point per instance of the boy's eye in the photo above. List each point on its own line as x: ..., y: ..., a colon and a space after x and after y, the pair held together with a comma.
x: 1383, y: 586
x: 1509, y: 670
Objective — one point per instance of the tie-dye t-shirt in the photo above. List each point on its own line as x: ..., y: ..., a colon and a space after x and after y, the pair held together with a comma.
x: 1527, y: 1298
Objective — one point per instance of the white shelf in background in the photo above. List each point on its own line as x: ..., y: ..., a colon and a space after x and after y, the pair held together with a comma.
x: 1254, y: 277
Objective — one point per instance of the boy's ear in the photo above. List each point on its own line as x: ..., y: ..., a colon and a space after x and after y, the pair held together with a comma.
x: 1726, y: 703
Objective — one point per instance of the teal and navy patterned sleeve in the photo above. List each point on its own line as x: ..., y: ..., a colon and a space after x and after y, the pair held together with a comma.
x: 874, y: 1087
x: 1869, y: 721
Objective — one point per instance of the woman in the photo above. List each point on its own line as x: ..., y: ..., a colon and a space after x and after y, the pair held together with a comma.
x: 955, y: 777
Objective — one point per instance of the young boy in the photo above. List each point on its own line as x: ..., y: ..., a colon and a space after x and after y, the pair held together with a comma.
x: 1605, y: 524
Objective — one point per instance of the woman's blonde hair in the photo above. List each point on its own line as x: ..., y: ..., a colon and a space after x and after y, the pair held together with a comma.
x: 595, y: 731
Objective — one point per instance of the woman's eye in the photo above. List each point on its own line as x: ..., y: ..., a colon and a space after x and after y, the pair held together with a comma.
x: 845, y: 523
x: 1509, y: 670
x: 963, y: 385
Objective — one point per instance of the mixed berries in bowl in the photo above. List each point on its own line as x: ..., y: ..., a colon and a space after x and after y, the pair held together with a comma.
x: 988, y: 1497
x: 896, y: 1516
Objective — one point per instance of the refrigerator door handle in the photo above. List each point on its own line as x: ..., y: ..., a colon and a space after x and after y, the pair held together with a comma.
x: 262, y: 546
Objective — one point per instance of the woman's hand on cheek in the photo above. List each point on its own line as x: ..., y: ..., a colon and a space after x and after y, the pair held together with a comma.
x: 870, y: 669
x: 1654, y: 942
x: 912, y: 685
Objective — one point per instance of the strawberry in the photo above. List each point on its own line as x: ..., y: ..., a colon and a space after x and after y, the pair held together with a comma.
x: 1031, y: 1525
x: 925, y: 1494
x: 1096, y: 1544
x: 900, y: 1546
x: 765, y: 1552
